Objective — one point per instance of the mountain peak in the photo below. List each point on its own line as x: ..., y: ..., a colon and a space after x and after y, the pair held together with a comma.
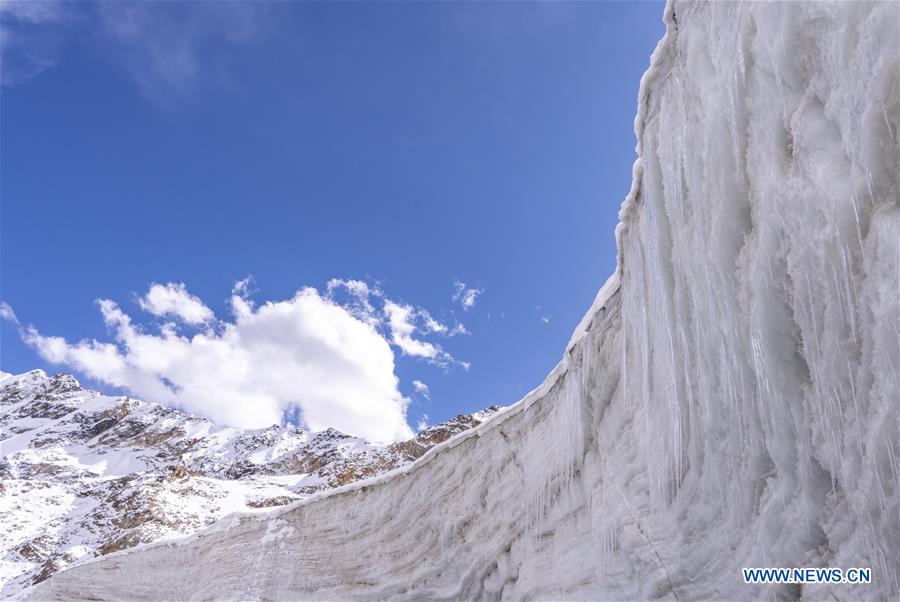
x: 132, y: 472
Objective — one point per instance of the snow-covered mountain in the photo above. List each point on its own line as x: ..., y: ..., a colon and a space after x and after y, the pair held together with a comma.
x: 730, y: 400
x: 84, y: 474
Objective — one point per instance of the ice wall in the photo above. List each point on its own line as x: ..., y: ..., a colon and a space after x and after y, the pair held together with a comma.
x: 731, y: 399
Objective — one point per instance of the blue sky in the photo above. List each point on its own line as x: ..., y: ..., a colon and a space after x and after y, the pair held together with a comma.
x: 409, y: 146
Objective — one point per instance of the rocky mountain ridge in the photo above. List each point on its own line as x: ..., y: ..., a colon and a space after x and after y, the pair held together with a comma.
x: 84, y: 474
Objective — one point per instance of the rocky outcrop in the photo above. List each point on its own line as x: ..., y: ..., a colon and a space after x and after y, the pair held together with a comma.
x: 86, y: 475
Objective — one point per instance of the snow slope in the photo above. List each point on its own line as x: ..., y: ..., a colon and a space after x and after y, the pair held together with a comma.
x: 85, y: 474
x: 730, y: 400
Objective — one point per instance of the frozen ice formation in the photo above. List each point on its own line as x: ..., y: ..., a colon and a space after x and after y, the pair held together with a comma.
x: 730, y: 400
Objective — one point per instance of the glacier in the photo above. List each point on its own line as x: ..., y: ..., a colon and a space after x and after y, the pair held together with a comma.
x: 730, y: 400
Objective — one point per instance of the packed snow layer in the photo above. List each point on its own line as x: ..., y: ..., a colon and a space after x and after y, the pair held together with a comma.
x: 731, y: 400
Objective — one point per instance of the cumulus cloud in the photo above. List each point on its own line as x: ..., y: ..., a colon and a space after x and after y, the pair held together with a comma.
x: 422, y: 389
x: 465, y: 295
x: 173, y: 300
x: 325, y: 358
x: 242, y: 287
x: 355, y: 296
x: 305, y: 353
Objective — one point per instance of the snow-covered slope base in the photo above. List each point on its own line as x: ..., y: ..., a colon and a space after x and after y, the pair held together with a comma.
x: 83, y: 474
x: 731, y: 400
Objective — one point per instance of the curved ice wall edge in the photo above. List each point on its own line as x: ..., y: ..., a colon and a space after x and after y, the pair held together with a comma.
x: 730, y: 400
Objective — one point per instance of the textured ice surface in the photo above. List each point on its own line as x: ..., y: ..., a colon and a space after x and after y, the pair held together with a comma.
x: 730, y: 400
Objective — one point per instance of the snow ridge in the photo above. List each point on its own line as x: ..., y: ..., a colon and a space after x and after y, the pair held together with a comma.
x: 86, y: 474
x: 729, y: 401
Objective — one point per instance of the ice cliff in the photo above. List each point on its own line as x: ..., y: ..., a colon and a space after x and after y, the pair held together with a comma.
x: 730, y: 400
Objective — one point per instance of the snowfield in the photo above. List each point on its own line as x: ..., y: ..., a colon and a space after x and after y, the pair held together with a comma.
x: 730, y: 400
x: 85, y: 474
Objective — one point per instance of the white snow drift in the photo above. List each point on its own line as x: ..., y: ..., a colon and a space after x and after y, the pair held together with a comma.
x: 730, y: 400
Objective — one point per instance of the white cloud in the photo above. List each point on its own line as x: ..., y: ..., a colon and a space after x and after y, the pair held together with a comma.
x: 403, y: 320
x: 48, y: 11
x: 428, y: 324
x: 242, y: 287
x: 166, y: 48
x: 465, y: 295
x: 357, y: 294
x: 7, y: 313
x: 175, y: 301
x: 431, y: 324
x: 423, y: 423
x: 357, y: 288
x: 326, y: 355
x: 400, y: 320
x: 306, y: 352
x: 30, y: 38
x: 422, y: 389
x: 401, y: 323
x: 460, y: 328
